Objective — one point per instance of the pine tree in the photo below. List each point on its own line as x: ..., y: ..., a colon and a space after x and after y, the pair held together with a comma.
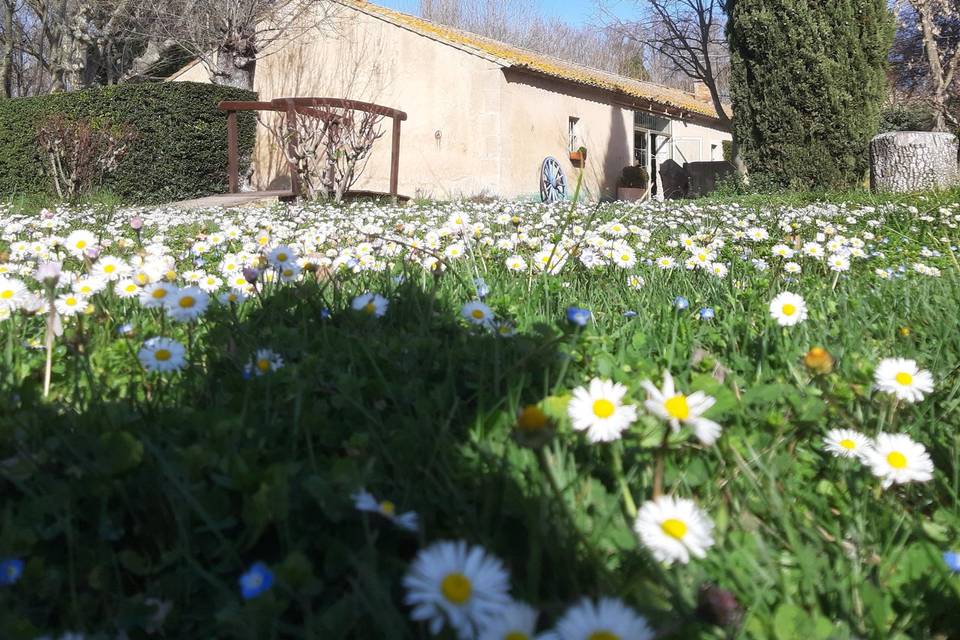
x: 808, y: 80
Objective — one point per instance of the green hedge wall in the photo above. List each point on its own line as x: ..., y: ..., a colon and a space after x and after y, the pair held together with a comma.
x: 180, y: 152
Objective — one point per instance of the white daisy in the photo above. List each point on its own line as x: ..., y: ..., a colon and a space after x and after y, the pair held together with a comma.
x: 12, y: 293
x: 282, y: 256
x: 79, y: 242
x: 788, y: 309
x: 897, y: 459
x: 476, y: 312
x: 127, y: 289
x: 187, y: 304
x: 264, y: 361
x: 673, y: 529
x: 157, y: 294
x: 605, y: 619
x: 846, y: 443
x: 111, y: 268
x: 451, y: 583
x: 673, y: 406
x: 598, y: 410
x: 162, y: 355
x: 70, y: 304
x: 903, y: 378
x: 372, y: 304
x: 365, y: 501
x: 518, y: 621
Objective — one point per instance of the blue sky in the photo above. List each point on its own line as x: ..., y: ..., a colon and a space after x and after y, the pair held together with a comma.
x: 572, y: 11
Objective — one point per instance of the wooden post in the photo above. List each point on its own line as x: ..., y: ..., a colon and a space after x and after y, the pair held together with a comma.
x: 292, y: 147
x: 395, y: 160
x: 233, y: 162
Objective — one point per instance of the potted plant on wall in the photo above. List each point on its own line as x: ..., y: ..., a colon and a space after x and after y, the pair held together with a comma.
x: 634, y: 184
x: 578, y: 157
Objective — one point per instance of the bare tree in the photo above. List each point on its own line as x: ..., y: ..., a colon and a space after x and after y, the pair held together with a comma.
x: 8, y: 36
x: 938, y: 24
x: 518, y: 22
x: 687, y: 33
x: 328, y: 146
x: 228, y: 36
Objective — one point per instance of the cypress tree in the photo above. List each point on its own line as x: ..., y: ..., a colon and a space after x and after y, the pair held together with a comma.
x: 808, y: 81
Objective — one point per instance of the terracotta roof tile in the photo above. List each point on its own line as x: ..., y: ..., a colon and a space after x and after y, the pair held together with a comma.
x: 517, y: 57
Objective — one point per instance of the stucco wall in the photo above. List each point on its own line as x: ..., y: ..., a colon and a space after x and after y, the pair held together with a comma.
x: 473, y: 128
x: 536, y: 118
x: 450, y: 142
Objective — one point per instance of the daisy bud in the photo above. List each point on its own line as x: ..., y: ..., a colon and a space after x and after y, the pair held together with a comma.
x: 719, y: 606
x: 533, y: 427
x: 819, y: 361
x: 251, y: 275
x: 49, y: 273
x: 136, y: 223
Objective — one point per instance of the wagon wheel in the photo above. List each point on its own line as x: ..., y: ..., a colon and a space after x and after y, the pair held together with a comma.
x: 553, y: 184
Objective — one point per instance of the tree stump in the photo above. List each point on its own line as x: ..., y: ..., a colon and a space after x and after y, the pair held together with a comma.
x: 911, y: 161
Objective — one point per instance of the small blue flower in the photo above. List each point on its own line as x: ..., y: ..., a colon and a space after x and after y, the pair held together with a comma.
x: 324, y: 313
x: 578, y: 316
x: 952, y: 558
x: 630, y: 314
x: 482, y: 289
x: 255, y: 581
x: 681, y: 303
x: 125, y: 329
x: 10, y: 571
x: 706, y: 313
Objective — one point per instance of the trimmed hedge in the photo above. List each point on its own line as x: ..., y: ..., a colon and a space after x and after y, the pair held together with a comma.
x: 181, y: 146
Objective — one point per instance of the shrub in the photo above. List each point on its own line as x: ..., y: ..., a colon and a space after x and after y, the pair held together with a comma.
x: 634, y: 177
x: 81, y: 153
x: 180, y: 150
x: 906, y: 117
x: 807, y: 83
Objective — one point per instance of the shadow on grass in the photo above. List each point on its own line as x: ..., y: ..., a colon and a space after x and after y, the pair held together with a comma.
x: 131, y: 505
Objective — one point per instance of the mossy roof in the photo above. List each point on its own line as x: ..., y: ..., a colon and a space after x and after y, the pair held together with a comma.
x: 509, y: 56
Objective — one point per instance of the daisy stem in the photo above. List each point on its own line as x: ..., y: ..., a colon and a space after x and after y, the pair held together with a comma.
x: 48, y: 368
x: 628, y: 502
x: 836, y: 277
x: 658, y: 467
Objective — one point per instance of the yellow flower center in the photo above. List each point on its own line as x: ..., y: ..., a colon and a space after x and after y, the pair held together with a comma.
x: 387, y: 508
x: 171, y: 275
x: 6, y: 295
x: 81, y: 244
x: 603, y: 408
x: 370, y: 308
x: 477, y: 314
x: 603, y: 634
x: 159, y: 293
x: 677, y: 407
x: 897, y: 460
x: 789, y: 309
x: 674, y: 528
x: 263, y: 364
x: 848, y: 444
x: 142, y: 278
x: 516, y: 635
x: 531, y: 418
x: 187, y: 302
x: 456, y: 588
x: 110, y: 268
x: 130, y: 288
x: 281, y: 257
x: 904, y: 378
x: 162, y: 355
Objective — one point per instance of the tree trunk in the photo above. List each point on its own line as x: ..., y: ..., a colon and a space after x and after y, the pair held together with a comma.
x: 6, y: 54
x: 911, y: 161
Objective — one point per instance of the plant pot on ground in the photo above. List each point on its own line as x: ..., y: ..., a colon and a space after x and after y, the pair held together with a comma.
x: 634, y: 184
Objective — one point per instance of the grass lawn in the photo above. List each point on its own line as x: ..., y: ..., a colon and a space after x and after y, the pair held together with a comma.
x: 265, y: 423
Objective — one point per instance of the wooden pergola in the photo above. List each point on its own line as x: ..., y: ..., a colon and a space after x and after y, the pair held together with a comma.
x: 310, y: 107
